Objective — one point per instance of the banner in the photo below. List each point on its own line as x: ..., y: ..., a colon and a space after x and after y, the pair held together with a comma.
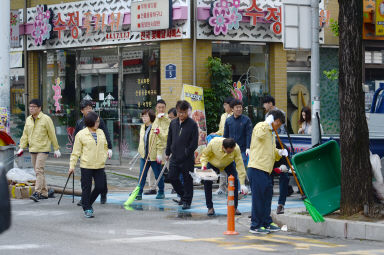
x: 379, y: 26
x: 15, y: 32
x: 194, y: 95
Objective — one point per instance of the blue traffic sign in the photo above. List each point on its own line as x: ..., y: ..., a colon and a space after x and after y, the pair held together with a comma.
x: 170, y: 72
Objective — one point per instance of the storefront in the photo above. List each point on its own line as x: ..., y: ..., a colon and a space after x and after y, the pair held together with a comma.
x: 90, y: 52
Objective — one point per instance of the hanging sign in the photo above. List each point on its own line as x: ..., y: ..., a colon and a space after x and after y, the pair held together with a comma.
x: 15, y: 32
x: 151, y: 15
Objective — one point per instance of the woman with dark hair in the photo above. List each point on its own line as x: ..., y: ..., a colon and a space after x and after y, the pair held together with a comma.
x: 148, y: 135
x: 92, y: 148
x: 305, y: 121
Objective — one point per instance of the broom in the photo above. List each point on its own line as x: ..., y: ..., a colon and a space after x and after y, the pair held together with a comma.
x: 316, y: 216
x: 134, y: 193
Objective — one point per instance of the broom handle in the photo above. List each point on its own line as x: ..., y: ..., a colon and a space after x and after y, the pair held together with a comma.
x: 149, y: 153
x: 289, y: 163
x: 162, y: 171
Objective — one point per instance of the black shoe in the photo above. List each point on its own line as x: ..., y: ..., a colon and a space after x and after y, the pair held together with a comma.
x: 51, y: 193
x: 42, y: 197
x: 103, y: 199
x: 79, y: 203
x: 186, y: 206
x: 211, y: 212
x: 150, y: 192
x: 35, y: 197
x: 280, y: 209
x: 237, y: 212
x: 179, y: 202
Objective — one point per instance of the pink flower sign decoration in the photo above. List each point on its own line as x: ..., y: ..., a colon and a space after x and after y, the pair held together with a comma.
x: 237, y: 90
x: 41, y: 25
x: 57, y: 96
x: 225, y: 16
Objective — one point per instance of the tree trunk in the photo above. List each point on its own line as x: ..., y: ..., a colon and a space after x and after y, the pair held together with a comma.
x: 356, y: 173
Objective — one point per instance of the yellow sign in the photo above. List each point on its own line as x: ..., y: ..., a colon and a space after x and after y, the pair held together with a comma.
x: 379, y: 18
x: 195, y: 96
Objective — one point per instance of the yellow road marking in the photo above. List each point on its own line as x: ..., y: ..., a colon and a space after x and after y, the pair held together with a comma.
x: 309, y: 240
x: 362, y: 252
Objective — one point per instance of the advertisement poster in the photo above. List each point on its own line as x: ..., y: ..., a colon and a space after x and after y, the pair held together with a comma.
x: 379, y: 17
x: 194, y: 95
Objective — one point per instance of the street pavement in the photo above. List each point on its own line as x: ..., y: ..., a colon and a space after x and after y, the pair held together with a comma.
x: 155, y: 227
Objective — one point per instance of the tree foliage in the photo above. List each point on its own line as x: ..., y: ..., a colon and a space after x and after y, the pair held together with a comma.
x: 221, y: 79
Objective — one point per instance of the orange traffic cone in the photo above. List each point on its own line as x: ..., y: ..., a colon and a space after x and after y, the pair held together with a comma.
x: 231, y: 207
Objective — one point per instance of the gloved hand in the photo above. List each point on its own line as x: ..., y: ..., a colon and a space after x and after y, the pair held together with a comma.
x: 57, y: 154
x: 204, y: 168
x: 160, y: 115
x: 284, y: 168
x: 283, y: 153
x: 20, y: 152
x: 159, y: 159
x: 247, y: 151
x: 277, y: 170
x: 71, y: 170
x: 109, y: 153
x: 156, y: 131
x: 244, y: 189
x: 270, y: 119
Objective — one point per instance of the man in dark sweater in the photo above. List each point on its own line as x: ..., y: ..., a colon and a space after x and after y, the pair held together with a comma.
x: 85, y: 107
x: 182, y: 142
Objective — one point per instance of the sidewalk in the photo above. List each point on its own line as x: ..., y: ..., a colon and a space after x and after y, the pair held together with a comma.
x: 298, y: 220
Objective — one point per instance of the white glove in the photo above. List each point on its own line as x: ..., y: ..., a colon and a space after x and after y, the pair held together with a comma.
x: 57, y: 154
x: 20, y: 152
x: 159, y: 159
x: 247, y: 151
x: 284, y: 168
x: 270, y: 120
x: 283, y: 153
x: 109, y: 153
x: 244, y: 189
x: 160, y: 115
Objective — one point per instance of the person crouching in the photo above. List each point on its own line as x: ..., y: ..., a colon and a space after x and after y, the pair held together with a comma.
x: 92, y: 148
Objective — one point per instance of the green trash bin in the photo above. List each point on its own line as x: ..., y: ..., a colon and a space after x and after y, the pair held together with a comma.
x: 319, y: 172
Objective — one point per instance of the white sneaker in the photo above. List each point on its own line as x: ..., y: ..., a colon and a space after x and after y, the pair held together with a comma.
x: 219, y: 191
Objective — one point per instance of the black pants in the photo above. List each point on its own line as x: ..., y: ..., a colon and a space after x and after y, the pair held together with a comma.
x: 105, y: 191
x: 230, y: 170
x: 88, y: 197
x: 186, y: 191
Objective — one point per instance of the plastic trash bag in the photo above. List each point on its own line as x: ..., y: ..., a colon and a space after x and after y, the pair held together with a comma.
x: 377, y: 184
x: 21, y: 175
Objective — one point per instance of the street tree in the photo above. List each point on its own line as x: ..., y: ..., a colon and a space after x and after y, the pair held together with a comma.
x: 356, y: 173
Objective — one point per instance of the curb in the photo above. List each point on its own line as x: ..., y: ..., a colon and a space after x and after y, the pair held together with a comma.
x: 331, y: 227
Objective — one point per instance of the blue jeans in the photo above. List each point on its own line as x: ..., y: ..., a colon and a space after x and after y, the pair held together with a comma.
x: 262, y: 191
x: 156, y: 170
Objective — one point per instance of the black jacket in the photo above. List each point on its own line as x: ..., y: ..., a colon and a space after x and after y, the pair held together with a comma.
x: 80, y: 125
x: 182, y: 140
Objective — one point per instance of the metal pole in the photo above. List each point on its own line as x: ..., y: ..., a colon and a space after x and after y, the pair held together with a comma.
x: 26, y: 90
x: 5, y: 27
x: 194, y: 41
x: 315, y: 82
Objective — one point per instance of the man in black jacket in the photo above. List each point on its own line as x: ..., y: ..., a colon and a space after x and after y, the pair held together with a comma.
x: 182, y: 142
x: 85, y: 107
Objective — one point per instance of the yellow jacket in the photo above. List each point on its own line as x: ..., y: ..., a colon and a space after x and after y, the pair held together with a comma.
x: 223, y: 118
x: 263, y: 148
x: 215, y: 155
x: 152, y: 156
x: 161, y: 141
x: 92, y: 155
x: 39, y: 134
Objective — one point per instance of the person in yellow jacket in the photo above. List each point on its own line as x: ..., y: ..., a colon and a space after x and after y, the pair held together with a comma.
x: 92, y: 148
x: 262, y: 157
x: 149, y: 137
x: 162, y: 124
x: 228, y: 113
x: 223, y: 154
x: 38, y: 135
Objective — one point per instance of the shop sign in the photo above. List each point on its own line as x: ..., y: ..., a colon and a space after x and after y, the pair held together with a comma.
x: 15, y: 32
x: 57, y: 96
x: 145, y: 94
x: 379, y: 18
x: 42, y: 25
x: 225, y: 15
x: 170, y: 72
x: 151, y: 15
